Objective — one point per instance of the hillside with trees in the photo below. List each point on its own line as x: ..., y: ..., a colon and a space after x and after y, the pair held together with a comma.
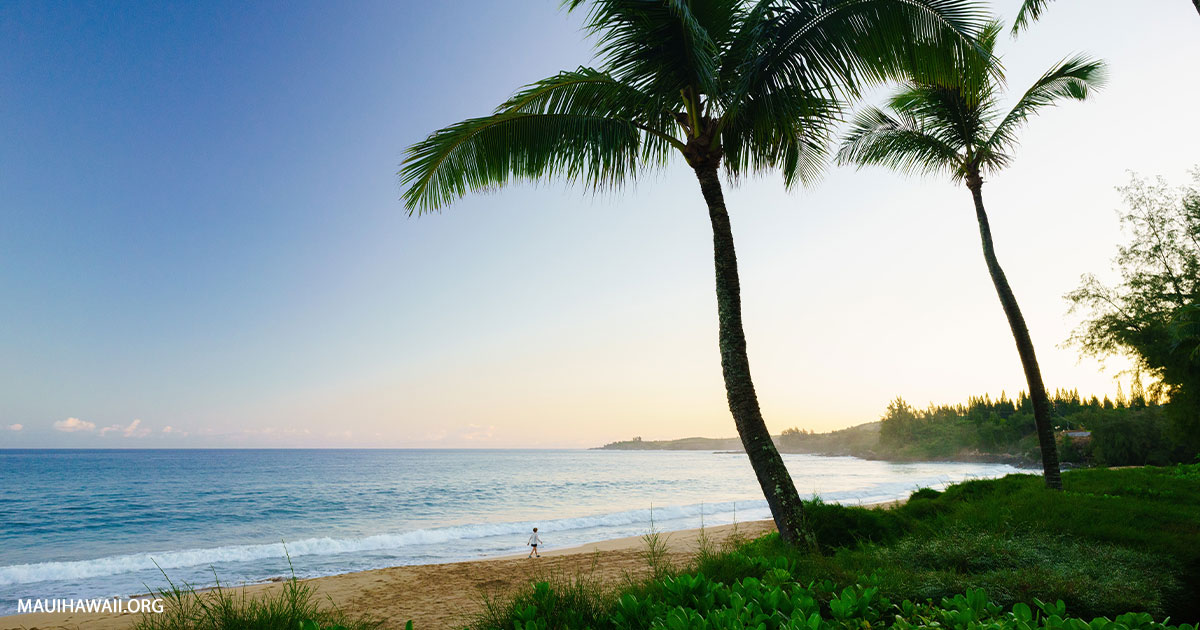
x: 1128, y: 430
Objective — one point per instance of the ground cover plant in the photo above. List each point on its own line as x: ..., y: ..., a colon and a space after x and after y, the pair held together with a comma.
x: 1117, y: 549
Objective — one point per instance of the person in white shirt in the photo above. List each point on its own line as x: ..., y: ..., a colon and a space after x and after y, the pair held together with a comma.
x: 534, y: 541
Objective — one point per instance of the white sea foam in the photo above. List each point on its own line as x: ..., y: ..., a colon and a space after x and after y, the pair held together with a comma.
x: 836, y: 479
x: 116, y: 565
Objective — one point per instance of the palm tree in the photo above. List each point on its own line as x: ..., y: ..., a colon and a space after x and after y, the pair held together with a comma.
x: 750, y: 87
x: 1031, y: 10
x: 956, y: 128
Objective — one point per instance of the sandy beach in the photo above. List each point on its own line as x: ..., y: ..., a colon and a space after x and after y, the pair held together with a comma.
x: 445, y: 595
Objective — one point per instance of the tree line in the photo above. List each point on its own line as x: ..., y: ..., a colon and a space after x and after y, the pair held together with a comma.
x: 1122, y: 431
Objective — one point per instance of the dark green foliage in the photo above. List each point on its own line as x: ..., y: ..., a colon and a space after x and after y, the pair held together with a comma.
x: 841, y: 526
x: 924, y: 494
x: 982, y: 425
x: 295, y: 606
x: 1146, y: 510
x: 1130, y: 437
x: 761, y: 83
x: 1125, y: 433
x: 1029, y: 12
x: 1117, y: 543
x: 1153, y: 314
x: 1092, y: 578
x: 957, y: 127
x: 779, y: 601
x: 559, y: 603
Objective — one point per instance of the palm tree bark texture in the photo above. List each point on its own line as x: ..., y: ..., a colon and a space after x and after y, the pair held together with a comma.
x: 1042, y: 410
x: 768, y: 465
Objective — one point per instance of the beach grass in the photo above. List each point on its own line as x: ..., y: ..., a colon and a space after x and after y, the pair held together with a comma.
x: 294, y: 606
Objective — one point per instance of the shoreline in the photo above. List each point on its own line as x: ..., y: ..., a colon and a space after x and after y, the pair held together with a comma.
x: 965, y: 457
x: 442, y: 595
x: 439, y: 595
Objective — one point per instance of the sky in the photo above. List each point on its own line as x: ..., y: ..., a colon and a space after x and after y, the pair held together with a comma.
x: 202, y: 243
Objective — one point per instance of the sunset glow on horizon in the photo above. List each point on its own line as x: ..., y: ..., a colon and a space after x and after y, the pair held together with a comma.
x: 204, y: 246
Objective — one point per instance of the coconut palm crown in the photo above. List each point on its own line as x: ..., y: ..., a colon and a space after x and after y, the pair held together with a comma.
x: 743, y: 87
x: 959, y: 129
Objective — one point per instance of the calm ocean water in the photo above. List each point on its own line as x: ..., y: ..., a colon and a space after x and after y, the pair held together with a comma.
x: 85, y: 524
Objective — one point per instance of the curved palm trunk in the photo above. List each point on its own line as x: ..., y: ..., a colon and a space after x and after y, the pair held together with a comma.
x: 776, y: 482
x: 1033, y: 374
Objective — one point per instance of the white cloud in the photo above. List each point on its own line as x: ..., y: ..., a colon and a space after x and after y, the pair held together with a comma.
x: 133, y: 429
x: 16, y: 427
x: 71, y: 425
x: 172, y: 430
x: 479, y: 432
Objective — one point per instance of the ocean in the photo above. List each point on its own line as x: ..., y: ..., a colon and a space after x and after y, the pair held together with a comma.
x: 105, y: 523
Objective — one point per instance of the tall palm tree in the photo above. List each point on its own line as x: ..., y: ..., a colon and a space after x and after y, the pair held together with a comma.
x: 1031, y: 10
x: 958, y: 128
x: 749, y: 87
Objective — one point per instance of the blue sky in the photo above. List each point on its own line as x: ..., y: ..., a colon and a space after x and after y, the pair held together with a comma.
x: 201, y: 230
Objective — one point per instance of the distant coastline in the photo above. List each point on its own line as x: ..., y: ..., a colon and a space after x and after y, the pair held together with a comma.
x: 860, y: 441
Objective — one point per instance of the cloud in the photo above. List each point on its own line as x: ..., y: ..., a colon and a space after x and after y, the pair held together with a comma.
x: 16, y: 427
x: 173, y: 431
x: 479, y: 432
x: 133, y: 429
x: 71, y: 425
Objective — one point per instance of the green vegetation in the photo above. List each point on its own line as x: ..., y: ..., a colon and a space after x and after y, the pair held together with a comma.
x: 1122, y: 433
x: 1115, y: 550
x: 1131, y: 431
x: 292, y: 607
x: 747, y: 88
x: 1153, y: 314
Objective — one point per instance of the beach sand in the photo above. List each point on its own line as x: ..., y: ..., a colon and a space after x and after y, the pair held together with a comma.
x: 447, y: 595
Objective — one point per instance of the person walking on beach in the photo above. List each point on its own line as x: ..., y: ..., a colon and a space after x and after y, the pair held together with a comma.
x: 534, y: 541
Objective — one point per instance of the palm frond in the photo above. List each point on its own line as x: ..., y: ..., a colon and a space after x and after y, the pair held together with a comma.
x: 1074, y: 78
x: 789, y: 130
x: 1029, y: 12
x: 659, y: 46
x: 849, y: 44
x: 959, y: 116
x: 900, y: 142
x: 975, y: 76
x: 590, y: 92
x: 485, y: 153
